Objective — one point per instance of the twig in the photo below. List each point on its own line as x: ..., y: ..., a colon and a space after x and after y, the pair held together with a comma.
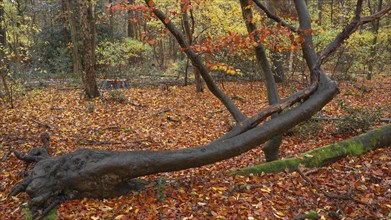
x: 172, y: 119
x: 341, y: 119
x: 311, y: 172
x: 136, y: 104
x: 92, y: 142
x: 4, y: 158
x: 215, y: 112
x: 42, y: 124
x: 162, y: 111
x: 57, y: 108
x: 347, y: 196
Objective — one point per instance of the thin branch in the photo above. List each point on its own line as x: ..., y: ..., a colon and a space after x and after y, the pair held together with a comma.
x: 341, y: 37
x: 350, y: 29
x: 277, y: 19
x: 377, y: 15
x: 346, y: 196
x: 260, y: 116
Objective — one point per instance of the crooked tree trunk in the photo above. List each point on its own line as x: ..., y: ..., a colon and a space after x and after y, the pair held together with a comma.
x: 328, y: 154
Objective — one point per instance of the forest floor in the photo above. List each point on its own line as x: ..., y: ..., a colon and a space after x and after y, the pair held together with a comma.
x: 177, y: 117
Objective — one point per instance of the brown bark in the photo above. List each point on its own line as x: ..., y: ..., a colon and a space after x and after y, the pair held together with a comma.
x: 88, y: 36
x: 77, y: 68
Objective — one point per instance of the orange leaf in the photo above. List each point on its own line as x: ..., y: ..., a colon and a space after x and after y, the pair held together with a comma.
x: 167, y: 20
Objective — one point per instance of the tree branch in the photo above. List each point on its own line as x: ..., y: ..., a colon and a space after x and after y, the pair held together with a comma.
x: 196, y: 61
x: 349, y: 30
x: 275, y: 18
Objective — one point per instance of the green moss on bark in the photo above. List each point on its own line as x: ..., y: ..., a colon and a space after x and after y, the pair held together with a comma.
x: 328, y: 154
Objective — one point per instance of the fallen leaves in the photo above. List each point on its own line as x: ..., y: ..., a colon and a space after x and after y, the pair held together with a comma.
x: 209, y: 192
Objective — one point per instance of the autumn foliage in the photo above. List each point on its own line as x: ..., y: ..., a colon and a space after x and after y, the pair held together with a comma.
x: 152, y: 119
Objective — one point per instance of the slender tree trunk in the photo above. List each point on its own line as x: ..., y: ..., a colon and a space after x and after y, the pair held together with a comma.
x: 88, y: 36
x: 375, y: 29
x: 111, y: 22
x: 275, y: 57
x: 271, y: 148
x: 189, y: 34
x: 131, y: 28
x: 3, y: 58
x: 77, y: 68
x: 320, y: 3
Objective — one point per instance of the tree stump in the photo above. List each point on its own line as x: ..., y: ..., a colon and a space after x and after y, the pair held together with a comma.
x: 109, y: 84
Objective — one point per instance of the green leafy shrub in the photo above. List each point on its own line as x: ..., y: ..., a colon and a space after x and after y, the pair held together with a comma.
x: 307, y: 129
x: 113, y: 57
x: 91, y: 107
x: 357, y: 120
x: 117, y: 95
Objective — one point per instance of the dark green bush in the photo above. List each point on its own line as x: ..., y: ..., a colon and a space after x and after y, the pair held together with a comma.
x: 357, y: 120
x: 117, y: 95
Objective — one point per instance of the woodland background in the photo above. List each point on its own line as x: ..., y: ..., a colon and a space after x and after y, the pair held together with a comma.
x: 166, y: 107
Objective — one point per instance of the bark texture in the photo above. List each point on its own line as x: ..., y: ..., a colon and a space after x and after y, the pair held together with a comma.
x: 328, y: 154
x: 88, y: 36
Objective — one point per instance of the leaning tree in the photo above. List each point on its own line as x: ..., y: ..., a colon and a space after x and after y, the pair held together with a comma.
x: 104, y: 173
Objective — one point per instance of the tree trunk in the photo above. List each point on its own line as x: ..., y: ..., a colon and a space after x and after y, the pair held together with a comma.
x: 77, y: 68
x: 375, y: 29
x: 198, y: 81
x: 88, y: 36
x: 326, y: 155
x: 276, y: 58
x: 189, y: 35
x: 3, y: 58
x: 271, y: 148
x: 319, y: 6
x: 131, y: 28
x: 111, y: 22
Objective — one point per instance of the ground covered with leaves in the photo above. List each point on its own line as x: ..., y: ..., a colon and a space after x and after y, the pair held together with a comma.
x: 176, y: 117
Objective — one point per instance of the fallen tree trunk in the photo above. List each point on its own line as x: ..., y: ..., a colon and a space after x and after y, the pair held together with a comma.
x: 328, y: 154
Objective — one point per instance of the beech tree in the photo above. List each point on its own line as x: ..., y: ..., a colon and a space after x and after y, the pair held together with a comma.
x: 104, y: 173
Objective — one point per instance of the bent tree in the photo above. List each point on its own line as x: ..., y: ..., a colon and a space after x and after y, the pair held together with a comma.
x: 104, y: 173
